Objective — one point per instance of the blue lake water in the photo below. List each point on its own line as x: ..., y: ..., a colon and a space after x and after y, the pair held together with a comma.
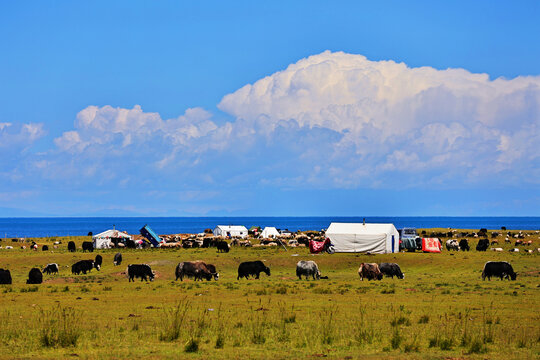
x: 58, y: 226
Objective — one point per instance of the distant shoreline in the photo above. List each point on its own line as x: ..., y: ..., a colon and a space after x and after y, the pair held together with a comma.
x: 81, y: 226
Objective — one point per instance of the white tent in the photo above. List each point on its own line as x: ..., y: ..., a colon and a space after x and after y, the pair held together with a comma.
x: 231, y: 230
x: 356, y: 237
x: 269, y: 231
x: 103, y: 240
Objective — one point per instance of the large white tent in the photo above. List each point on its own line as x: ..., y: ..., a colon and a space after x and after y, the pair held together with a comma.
x: 269, y: 231
x: 231, y: 230
x: 357, y: 237
x: 103, y: 240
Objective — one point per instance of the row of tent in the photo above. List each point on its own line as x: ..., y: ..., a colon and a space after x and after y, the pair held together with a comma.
x: 345, y: 237
x: 242, y: 231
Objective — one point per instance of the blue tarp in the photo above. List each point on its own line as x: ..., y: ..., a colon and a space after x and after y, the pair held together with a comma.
x: 149, y: 234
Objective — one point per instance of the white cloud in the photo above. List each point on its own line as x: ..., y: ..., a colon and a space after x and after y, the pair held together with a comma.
x: 21, y: 136
x: 358, y: 122
x: 392, y: 116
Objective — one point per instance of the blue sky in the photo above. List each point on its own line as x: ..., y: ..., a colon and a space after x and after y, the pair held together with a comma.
x: 269, y: 108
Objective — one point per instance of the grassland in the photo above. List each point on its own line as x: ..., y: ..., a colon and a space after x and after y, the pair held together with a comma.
x: 442, y: 309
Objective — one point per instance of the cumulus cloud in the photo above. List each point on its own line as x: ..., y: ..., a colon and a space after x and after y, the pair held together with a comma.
x: 396, y: 118
x: 20, y: 136
x: 329, y: 120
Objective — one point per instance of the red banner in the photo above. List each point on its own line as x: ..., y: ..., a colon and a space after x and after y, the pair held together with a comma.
x: 432, y: 245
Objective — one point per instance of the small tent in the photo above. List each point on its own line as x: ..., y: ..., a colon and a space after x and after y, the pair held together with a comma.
x: 231, y: 230
x: 269, y: 231
x: 103, y: 240
x: 357, y: 237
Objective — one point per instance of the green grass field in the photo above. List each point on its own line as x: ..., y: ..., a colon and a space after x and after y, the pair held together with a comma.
x: 442, y: 309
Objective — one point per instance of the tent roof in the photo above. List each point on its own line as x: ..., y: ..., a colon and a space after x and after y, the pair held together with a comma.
x: 232, y: 227
x: 111, y: 234
x: 359, y: 228
x: 270, y: 229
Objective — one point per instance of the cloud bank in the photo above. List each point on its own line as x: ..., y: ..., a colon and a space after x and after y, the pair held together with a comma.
x: 395, y: 119
x: 329, y: 121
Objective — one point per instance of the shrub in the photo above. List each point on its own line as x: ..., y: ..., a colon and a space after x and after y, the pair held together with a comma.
x: 424, y: 319
x: 400, y: 320
x: 192, y: 346
x: 411, y: 347
x: 477, y: 347
x: 396, y: 339
x: 60, y: 327
x: 174, y: 319
x: 446, y: 344
x: 220, y: 341
x: 327, y: 331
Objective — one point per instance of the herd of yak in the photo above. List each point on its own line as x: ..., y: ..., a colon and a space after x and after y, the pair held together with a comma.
x: 199, y: 270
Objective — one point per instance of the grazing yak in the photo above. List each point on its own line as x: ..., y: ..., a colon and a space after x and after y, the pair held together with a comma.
x: 98, y: 261
x: 117, y: 259
x: 464, y: 245
x: 452, y: 245
x: 482, y: 245
x: 500, y: 269
x: 143, y: 271
x: 82, y: 266
x: 35, y: 276
x: 197, y: 270
x: 87, y: 246
x: 45, y: 248
x: 5, y: 277
x: 51, y: 269
x: 222, y: 246
x: 252, y: 268
x: 369, y: 271
x: 71, y: 246
x: 391, y: 269
x: 307, y: 268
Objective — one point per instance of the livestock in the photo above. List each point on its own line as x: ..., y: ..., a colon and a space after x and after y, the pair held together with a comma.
x: 497, y: 249
x: 514, y: 250
x: 98, y: 261
x: 51, y: 269
x: 71, y: 246
x: 45, y: 248
x: 35, y: 276
x: 252, y: 268
x: 500, y: 269
x: 307, y: 268
x: 82, y: 266
x: 213, y: 271
x: 143, y: 271
x: 222, y: 246
x: 464, y: 245
x: 5, y: 277
x: 482, y: 245
x: 195, y: 269
x: 87, y: 246
x: 391, y: 269
x: 452, y: 245
x: 369, y: 271
x: 117, y: 259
